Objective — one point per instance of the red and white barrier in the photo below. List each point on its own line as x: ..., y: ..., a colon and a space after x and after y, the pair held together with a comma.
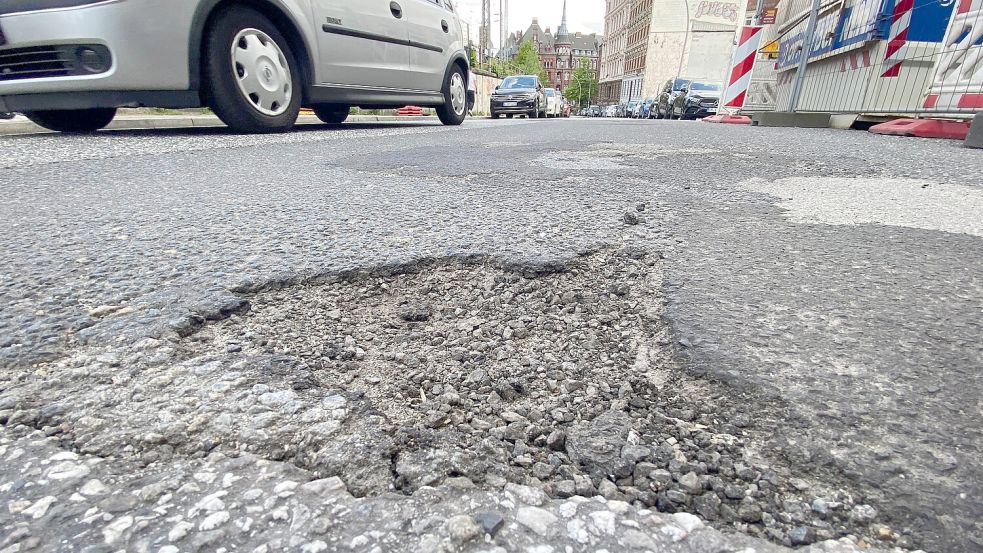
x: 958, y: 83
x: 897, y: 44
x: 741, y: 67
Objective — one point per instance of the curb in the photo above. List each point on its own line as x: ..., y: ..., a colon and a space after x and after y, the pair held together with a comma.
x: 804, y: 120
x: 21, y: 125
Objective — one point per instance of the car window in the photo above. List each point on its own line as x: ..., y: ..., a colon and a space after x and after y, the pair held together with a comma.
x: 704, y: 86
x: 679, y: 84
x: 518, y: 82
x: 550, y: 92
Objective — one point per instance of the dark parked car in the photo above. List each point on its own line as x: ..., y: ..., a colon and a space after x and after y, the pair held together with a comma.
x: 519, y: 95
x: 667, y: 96
x: 594, y: 111
x: 697, y: 100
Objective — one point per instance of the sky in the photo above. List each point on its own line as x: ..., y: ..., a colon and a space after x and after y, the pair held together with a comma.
x: 586, y: 16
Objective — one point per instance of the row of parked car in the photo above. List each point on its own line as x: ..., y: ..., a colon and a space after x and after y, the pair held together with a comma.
x: 680, y: 98
x: 525, y: 95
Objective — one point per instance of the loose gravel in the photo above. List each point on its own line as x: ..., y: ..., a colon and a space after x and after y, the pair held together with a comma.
x: 552, y: 381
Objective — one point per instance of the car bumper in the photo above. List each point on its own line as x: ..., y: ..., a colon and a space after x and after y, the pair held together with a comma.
x: 521, y: 106
x: 147, y: 47
x: 700, y: 111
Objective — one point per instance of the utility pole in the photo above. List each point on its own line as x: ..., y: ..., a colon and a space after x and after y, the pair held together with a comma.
x: 503, y: 23
x: 682, y: 53
x: 807, y: 40
x: 484, y: 31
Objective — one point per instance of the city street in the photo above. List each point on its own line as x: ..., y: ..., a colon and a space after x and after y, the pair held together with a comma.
x: 347, y: 339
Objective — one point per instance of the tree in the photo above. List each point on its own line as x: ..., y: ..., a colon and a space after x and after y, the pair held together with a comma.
x: 472, y: 55
x: 528, y: 61
x: 583, y: 84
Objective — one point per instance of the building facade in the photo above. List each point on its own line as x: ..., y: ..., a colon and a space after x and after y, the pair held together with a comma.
x: 616, y: 22
x: 651, y: 41
x: 560, y: 54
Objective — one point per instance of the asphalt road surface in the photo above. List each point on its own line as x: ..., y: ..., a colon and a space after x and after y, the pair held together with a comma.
x: 827, y: 284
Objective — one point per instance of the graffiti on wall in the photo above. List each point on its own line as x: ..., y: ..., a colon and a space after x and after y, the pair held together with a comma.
x: 710, y: 11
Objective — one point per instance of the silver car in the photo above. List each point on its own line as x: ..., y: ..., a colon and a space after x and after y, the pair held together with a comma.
x: 69, y: 64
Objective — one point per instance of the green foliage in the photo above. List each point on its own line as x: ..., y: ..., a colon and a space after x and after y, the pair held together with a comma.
x: 528, y: 61
x: 583, y: 84
x: 473, y: 56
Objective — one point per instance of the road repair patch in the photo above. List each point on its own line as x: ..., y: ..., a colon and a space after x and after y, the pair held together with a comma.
x: 877, y: 201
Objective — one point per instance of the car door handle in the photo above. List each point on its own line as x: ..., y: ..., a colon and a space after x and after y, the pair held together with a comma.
x: 396, y: 9
x: 445, y: 26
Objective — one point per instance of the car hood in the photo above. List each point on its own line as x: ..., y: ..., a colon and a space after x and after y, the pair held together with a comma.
x: 705, y: 95
x: 514, y: 92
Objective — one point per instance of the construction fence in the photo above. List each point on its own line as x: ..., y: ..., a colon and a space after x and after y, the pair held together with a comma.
x: 876, y: 57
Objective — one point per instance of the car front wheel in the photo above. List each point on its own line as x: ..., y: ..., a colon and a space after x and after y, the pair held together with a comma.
x: 535, y: 111
x: 455, y: 107
x: 72, y: 120
x: 253, y: 78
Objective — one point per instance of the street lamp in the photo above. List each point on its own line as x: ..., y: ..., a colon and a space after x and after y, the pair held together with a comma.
x: 682, y: 52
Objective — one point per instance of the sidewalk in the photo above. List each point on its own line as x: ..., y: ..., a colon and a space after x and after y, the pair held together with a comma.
x: 21, y: 125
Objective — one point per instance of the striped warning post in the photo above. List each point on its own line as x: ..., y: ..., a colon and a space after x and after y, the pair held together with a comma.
x: 740, y: 75
x: 897, y: 44
x: 958, y: 83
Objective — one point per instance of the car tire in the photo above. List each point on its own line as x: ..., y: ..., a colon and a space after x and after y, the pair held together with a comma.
x: 331, y: 114
x: 455, y: 106
x: 534, y: 114
x: 242, y: 42
x: 74, y: 121
x: 495, y: 115
x: 509, y: 116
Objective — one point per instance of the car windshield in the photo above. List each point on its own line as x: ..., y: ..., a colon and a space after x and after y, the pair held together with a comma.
x: 512, y: 83
x: 550, y: 92
x: 704, y: 86
x: 679, y: 84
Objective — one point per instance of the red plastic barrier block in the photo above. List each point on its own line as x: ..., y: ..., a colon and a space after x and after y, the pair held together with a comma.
x: 728, y: 119
x: 410, y: 111
x: 924, y: 128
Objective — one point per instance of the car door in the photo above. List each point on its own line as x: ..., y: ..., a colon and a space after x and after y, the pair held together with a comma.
x: 362, y: 43
x: 434, y: 34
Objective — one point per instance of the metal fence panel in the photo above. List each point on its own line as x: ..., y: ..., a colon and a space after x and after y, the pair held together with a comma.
x: 886, y: 57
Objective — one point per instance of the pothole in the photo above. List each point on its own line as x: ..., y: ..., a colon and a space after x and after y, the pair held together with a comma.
x: 560, y: 377
x: 564, y: 381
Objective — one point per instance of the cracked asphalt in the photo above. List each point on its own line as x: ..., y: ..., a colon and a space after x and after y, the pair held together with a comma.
x: 833, y: 278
